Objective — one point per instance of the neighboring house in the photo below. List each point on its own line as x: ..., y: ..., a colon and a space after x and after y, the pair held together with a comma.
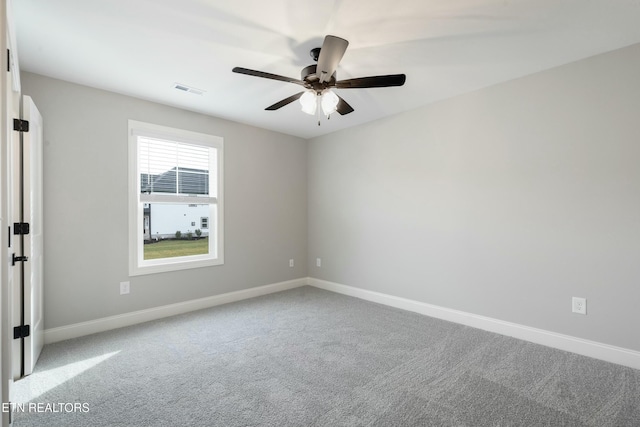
x: 161, y: 221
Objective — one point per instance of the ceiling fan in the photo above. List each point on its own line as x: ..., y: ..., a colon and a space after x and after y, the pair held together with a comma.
x: 320, y: 78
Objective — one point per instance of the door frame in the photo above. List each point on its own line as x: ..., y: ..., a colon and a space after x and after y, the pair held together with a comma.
x: 5, y: 348
x: 9, y: 107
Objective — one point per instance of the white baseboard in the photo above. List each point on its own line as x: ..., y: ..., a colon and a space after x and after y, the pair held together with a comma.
x: 606, y: 352
x: 128, y: 319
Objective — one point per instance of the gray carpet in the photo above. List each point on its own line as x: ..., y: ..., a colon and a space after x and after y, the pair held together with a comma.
x: 307, y: 357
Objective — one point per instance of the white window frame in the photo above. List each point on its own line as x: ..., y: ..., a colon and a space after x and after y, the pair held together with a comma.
x: 137, y: 264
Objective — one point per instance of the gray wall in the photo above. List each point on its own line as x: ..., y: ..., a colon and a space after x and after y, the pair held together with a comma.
x: 505, y: 202
x: 85, y: 192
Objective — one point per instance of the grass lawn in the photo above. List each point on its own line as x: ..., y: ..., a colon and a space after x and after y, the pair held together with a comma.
x: 175, y: 248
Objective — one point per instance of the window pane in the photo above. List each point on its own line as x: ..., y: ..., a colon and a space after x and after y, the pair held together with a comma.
x: 168, y: 230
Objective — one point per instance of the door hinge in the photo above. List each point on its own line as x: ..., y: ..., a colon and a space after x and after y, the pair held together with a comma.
x: 21, y: 125
x: 21, y: 332
x: 21, y: 228
x: 8, y: 61
x: 15, y: 259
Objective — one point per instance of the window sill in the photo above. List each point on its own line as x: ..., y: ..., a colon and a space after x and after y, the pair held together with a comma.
x: 168, y: 266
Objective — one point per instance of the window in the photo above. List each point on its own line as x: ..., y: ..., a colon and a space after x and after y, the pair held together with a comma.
x: 175, y: 180
x: 204, y: 222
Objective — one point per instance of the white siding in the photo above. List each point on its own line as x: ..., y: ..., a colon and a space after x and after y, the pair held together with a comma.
x: 167, y: 219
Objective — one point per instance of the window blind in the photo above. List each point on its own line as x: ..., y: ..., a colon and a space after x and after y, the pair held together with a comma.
x: 171, y: 167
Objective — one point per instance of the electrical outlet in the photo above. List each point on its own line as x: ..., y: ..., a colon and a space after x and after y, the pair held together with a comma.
x: 318, y: 262
x: 125, y: 288
x: 291, y: 263
x: 579, y: 305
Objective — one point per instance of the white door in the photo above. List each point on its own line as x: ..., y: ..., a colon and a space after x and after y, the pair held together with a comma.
x: 27, y: 233
x: 32, y: 202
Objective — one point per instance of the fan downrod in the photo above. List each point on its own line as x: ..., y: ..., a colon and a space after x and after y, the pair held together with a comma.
x: 315, y: 53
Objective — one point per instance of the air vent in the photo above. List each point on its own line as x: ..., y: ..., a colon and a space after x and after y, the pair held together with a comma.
x: 185, y: 88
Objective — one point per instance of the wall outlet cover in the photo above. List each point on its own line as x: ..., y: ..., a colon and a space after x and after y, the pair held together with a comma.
x: 125, y: 288
x: 579, y: 305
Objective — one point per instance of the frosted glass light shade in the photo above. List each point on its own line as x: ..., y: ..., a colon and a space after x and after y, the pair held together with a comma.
x: 308, y: 102
x: 329, y: 102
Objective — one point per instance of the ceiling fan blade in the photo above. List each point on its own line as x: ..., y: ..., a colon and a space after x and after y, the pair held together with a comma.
x: 374, y: 81
x: 284, y: 102
x: 343, y: 108
x: 331, y: 53
x: 264, y: 75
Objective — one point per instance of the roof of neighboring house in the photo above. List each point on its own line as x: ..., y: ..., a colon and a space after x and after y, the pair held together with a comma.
x: 190, y: 181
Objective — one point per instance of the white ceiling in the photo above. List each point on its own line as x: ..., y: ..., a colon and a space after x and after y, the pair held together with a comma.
x: 445, y: 47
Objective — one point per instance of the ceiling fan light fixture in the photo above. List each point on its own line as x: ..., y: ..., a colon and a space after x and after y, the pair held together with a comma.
x: 329, y: 102
x: 308, y: 102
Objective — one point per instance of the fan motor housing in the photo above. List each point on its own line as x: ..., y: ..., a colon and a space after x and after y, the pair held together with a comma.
x: 308, y: 74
